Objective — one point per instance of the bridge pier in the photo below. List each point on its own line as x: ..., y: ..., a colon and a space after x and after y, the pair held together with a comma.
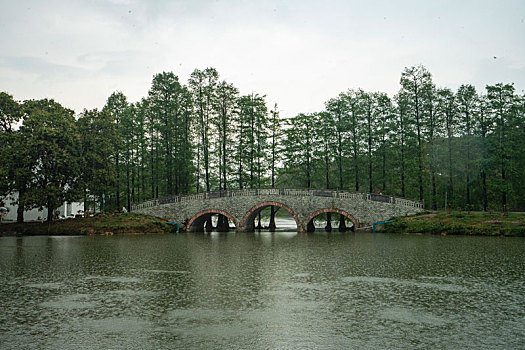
x: 342, y: 223
x: 310, y: 227
x: 328, y: 227
x: 222, y: 224
x: 209, y: 223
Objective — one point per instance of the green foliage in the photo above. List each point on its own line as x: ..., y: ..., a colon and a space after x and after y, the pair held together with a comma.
x: 457, y: 150
x: 460, y: 223
x: 98, y: 136
x: 10, y: 113
x: 51, y: 149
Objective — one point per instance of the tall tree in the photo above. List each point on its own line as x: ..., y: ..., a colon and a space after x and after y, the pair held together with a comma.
x: 432, y: 126
x: 98, y: 135
x: 165, y: 101
x: 337, y: 110
x: 385, y: 126
x: 252, y: 137
x: 275, y: 135
x: 415, y: 82
x: 226, y: 102
x: 467, y: 101
x: 447, y: 108
x: 115, y: 107
x: 369, y: 126
x: 503, y: 104
x: 353, y: 107
x: 203, y: 85
x: 403, y: 134
x: 299, y: 145
x: 483, y: 128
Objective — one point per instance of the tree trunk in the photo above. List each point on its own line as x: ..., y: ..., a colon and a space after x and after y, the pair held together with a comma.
x: 50, y: 212
x: 342, y: 223
x: 310, y: 227
x: 272, y: 226
x: 434, y: 190
x: 209, y: 223
x: 222, y: 224
x: 328, y: 226
x: 21, y: 205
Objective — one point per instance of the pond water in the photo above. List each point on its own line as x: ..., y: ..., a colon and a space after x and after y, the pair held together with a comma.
x: 262, y: 291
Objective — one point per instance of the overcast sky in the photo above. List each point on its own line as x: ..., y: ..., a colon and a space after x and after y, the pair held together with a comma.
x: 298, y: 53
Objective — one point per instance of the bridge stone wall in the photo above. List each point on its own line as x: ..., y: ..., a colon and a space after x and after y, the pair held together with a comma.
x: 242, y: 207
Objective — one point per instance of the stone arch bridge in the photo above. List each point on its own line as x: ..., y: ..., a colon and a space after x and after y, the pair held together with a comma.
x: 242, y: 206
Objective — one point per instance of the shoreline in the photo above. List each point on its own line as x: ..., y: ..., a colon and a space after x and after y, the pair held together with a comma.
x: 106, y: 224
x: 435, y: 223
x: 459, y: 223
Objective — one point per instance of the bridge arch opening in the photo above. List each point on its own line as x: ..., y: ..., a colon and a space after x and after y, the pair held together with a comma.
x: 211, y: 219
x: 249, y: 223
x: 324, y: 219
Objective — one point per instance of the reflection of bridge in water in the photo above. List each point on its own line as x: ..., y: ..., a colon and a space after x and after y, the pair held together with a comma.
x: 241, y: 207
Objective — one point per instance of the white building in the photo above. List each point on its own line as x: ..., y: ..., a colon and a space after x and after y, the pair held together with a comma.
x: 66, y: 210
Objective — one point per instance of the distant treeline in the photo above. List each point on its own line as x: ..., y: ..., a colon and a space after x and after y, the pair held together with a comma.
x: 461, y: 149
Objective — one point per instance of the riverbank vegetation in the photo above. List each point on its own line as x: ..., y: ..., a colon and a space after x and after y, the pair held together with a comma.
x: 462, y: 150
x: 460, y: 223
x: 104, y: 224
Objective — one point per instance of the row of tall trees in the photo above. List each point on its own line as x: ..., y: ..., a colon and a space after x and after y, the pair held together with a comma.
x: 459, y: 149
x: 201, y: 136
x: 454, y: 149
x: 196, y: 137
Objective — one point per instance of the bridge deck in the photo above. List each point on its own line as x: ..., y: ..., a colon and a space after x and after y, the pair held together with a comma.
x: 282, y: 192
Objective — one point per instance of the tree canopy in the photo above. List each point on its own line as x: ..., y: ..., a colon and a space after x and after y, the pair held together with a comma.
x: 462, y: 149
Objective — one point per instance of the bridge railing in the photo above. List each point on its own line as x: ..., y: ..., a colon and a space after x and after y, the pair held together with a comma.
x: 375, y: 197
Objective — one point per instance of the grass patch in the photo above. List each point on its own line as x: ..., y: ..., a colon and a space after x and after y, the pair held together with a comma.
x: 460, y: 223
x: 101, y: 224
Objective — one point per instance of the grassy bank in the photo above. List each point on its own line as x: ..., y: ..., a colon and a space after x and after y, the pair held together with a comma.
x: 460, y: 223
x: 101, y: 224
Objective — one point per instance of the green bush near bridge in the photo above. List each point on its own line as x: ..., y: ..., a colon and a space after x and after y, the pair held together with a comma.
x: 460, y: 223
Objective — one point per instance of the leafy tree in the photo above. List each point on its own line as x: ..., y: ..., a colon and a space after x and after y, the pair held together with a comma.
x: 323, y: 137
x: 226, y: 106
x: 415, y: 83
x: 252, y: 140
x: 203, y: 85
x: 403, y: 127
x: 369, y: 127
x: 353, y: 108
x: 336, y: 107
x: 299, y: 145
x: 98, y: 135
x: 166, y: 98
x: 115, y: 107
x: 53, y: 149
x: 448, y: 109
x: 467, y: 101
x: 502, y: 101
x: 384, y: 116
x: 10, y: 114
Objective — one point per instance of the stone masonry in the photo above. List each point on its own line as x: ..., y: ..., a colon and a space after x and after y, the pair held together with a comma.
x: 241, y: 207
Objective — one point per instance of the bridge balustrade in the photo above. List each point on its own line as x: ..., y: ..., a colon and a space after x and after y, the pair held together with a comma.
x: 349, y: 195
x: 304, y: 193
x: 242, y: 193
x: 379, y: 198
x: 285, y: 192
